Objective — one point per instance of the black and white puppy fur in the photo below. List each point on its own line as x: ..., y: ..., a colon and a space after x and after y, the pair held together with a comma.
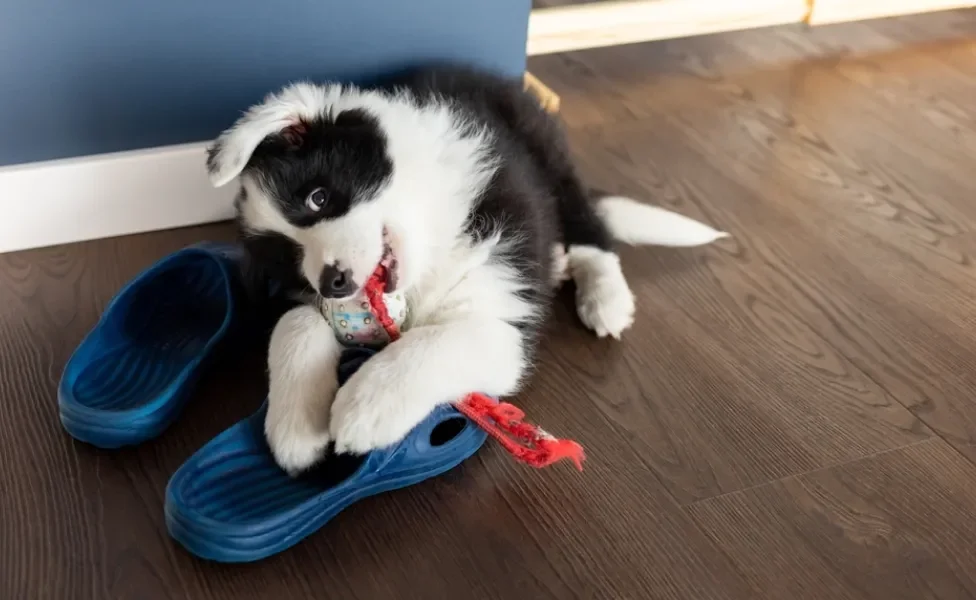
x: 469, y: 183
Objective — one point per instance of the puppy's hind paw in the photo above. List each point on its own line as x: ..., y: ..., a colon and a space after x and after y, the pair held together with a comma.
x: 604, y: 301
x: 606, y: 311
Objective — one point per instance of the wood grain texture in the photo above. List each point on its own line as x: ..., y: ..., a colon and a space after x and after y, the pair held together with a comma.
x: 897, y: 526
x: 762, y: 370
x: 775, y: 425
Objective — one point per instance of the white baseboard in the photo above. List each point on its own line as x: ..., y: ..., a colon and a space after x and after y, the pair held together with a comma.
x: 89, y: 197
x: 615, y: 22
x: 838, y: 11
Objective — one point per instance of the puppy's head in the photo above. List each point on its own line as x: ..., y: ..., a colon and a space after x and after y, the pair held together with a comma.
x: 315, y: 168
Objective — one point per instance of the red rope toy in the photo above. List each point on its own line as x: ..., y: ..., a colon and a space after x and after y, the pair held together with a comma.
x: 528, y: 443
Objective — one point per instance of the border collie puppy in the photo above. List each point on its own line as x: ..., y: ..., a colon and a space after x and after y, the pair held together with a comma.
x: 464, y: 186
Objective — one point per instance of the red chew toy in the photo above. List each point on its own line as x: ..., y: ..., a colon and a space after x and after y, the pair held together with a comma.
x: 526, y: 442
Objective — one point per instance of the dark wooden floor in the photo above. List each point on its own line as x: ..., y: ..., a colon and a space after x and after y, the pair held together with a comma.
x: 793, y: 416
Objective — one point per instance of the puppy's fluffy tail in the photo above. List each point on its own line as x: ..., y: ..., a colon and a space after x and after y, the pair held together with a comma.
x: 635, y: 223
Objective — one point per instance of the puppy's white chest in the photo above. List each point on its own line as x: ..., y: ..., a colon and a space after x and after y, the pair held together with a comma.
x: 355, y: 325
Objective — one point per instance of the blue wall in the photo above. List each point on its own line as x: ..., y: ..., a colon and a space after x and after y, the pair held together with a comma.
x: 90, y: 76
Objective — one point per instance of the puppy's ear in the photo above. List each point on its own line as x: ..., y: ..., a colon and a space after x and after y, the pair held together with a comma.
x: 287, y: 110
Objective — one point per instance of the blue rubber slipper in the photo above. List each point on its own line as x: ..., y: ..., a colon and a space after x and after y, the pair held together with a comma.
x: 230, y: 502
x: 132, y: 374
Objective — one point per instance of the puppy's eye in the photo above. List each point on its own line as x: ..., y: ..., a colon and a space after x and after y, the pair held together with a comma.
x: 316, y: 200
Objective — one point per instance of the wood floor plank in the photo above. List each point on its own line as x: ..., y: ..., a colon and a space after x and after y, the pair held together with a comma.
x: 896, y: 526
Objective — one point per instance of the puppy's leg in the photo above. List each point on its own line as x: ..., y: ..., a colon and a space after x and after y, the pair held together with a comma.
x: 430, y: 365
x: 604, y: 301
x: 302, y: 359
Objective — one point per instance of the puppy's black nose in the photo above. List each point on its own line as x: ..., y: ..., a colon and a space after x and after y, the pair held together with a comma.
x: 334, y: 283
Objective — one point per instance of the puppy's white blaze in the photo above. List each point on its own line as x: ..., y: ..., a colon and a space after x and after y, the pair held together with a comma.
x: 354, y: 242
x: 635, y: 223
x: 279, y: 110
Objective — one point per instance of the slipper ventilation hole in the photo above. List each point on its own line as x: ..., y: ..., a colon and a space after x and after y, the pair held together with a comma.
x: 447, y: 430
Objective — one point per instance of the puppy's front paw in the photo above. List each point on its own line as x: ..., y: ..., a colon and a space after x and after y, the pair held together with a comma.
x: 370, y: 414
x: 295, y: 441
x: 302, y: 357
x: 604, y: 301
